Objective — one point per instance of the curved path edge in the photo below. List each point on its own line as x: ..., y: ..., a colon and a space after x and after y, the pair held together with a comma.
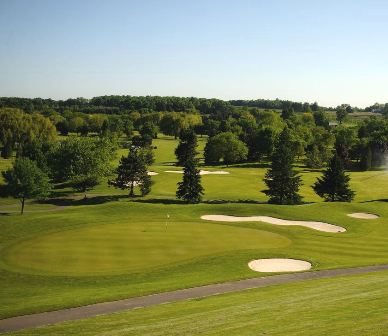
x: 52, y: 317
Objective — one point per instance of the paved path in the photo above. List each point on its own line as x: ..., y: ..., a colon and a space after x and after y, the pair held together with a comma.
x: 37, y: 320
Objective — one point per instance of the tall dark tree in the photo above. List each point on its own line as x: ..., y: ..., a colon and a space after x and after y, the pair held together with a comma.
x: 287, y: 113
x: 132, y: 172
x: 8, y: 142
x: 366, y: 160
x: 190, y: 189
x: 26, y: 181
x: 282, y: 181
x: 333, y: 186
x: 186, y: 148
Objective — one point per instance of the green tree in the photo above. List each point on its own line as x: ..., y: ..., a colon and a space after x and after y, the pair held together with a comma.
x: 190, y: 189
x: 318, y: 152
x: 26, y: 181
x: 288, y: 113
x: 227, y: 147
x: 8, y: 144
x: 345, y: 139
x: 149, y: 129
x: 261, y: 143
x: 366, y: 158
x: 186, y: 148
x: 83, y: 161
x: 341, y: 114
x: 132, y: 171
x: 282, y: 181
x: 321, y: 119
x: 333, y: 186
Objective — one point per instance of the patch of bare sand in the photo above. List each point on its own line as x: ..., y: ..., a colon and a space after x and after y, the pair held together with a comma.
x: 363, y: 215
x: 279, y: 265
x: 320, y: 226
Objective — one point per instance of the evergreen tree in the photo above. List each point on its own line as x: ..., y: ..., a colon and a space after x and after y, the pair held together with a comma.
x: 26, y: 181
x: 282, y: 181
x: 132, y: 172
x: 190, y: 189
x: 333, y: 186
x: 186, y: 147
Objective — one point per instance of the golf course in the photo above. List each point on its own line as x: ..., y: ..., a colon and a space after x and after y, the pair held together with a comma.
x: 69, y: 251
x: 193, y: 168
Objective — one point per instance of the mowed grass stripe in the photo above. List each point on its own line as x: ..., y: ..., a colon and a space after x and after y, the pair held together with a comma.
x: 352, y: 305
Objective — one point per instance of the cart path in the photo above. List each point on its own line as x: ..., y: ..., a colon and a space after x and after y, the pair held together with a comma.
x: 42, y: 319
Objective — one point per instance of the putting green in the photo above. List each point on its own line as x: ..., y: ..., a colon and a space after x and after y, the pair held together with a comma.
x: 125, y: 248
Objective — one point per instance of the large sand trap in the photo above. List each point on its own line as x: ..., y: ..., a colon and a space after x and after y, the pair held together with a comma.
x: 363, y: 215
x: 320, y: 226
x: 202, y: 172
x: 279, y: 265
x: 151, y: 173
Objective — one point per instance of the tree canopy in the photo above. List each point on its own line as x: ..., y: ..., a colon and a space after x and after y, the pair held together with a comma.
x: 26, y: 181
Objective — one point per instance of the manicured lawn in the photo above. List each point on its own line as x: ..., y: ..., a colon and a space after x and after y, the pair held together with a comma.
x: 354, y: 305
x: 109, y: 247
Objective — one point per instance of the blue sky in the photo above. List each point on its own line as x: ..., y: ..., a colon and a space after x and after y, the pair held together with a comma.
x: 327, y: 51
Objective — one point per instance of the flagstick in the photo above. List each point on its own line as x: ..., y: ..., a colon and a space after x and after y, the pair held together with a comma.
x: 167, y: 217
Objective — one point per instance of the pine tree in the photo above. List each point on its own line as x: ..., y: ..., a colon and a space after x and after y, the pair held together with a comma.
x: 186, y: 147
x: 132, y: 172
x: 282, y: 181
x: 333, y: 186
x: 190, y: 189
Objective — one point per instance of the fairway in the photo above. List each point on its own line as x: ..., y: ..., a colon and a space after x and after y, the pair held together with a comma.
x: 122, y: 248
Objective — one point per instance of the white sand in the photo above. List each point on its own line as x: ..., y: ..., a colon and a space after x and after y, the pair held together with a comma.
x: 151, y: 173
x: 202, y: 172
x: 320, y: 226
x: 279, y: 265
x: 363, y: 215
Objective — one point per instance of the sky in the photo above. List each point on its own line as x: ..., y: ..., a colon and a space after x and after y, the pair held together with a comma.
x: 327, y: 51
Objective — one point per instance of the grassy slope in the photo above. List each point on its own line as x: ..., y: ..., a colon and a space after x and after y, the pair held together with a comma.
x: 31, y: 290
x: 349, y: 306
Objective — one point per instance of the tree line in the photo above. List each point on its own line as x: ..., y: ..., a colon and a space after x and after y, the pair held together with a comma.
x: 236, y: 135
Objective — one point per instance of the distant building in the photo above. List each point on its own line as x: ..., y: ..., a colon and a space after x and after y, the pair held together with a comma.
x: 333, y: 123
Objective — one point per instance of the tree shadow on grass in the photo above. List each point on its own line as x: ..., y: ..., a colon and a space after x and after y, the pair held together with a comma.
x: 239, y: 201
x: 376, y: 200
x: 175, y: 201
x: 238, y: 165
x: 158, y: 201
x: 91, y: 200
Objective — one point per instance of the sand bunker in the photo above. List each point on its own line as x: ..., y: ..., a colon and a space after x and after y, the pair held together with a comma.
x: 151, y: 173
x: 279, y: 265
x: 363, y: 215
x: 202, y: 172
x: 320, y: 226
